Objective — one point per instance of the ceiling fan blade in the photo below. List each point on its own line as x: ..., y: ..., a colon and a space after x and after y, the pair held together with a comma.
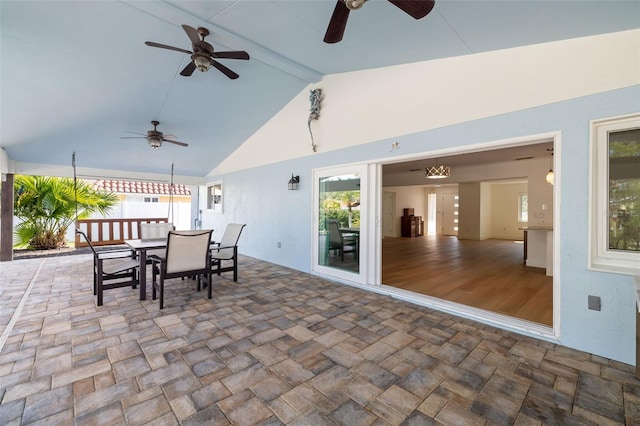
x: 236, y: 54
x: 175, y: 142
x: 188, y: 70
x: 338, y: 23
x: 164, y: 46
x: 133, y: 137
x: 136, y: 133
x: 226, y: 71
x: 416, y: 8
x: 193, y: 34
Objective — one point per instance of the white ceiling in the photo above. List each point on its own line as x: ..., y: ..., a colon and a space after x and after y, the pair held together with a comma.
x: 76, y: 75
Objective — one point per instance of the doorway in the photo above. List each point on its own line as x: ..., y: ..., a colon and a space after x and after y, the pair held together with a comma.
x: 485, y: 270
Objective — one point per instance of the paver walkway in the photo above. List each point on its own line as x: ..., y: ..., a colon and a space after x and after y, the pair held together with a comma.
x: 278, y: 347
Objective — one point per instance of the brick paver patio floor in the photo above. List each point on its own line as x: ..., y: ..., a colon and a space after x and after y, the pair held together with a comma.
x: 278, y: 347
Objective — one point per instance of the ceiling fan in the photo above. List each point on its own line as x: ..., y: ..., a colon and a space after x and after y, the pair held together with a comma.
x: 203, y: 56
x: 416, y: 8
x: 155, y: 137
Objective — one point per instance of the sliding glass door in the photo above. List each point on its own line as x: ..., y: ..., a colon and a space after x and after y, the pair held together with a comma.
x: 340, y: 202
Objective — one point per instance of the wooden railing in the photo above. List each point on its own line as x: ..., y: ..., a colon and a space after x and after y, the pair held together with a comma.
x: 102, y: 232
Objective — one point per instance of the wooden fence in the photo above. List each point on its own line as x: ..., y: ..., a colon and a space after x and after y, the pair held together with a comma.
x: 103, y: 232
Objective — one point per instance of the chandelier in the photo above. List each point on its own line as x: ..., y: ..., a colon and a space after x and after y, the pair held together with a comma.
x: 437, y: 172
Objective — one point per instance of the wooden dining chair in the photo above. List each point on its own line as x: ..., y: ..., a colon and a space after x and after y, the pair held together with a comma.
x: 187, y: 255
x: 116, y: 266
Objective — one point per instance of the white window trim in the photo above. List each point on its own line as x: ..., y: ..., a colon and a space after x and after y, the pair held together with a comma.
x: 600, y: 257
x: 520, y: 195
x: 216, y: 207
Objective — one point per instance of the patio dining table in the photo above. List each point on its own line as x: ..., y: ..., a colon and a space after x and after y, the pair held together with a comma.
x: 141, y: 247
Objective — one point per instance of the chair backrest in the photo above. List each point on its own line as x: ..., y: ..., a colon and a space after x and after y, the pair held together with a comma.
x: 188, y: 250
x: 95, y: 254
x: 155, y: 231
x: 230, y: 238
x: 334, y: 231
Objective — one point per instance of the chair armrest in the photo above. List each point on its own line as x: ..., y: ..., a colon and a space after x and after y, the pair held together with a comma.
x: 156, y: 259
x: 115, y: 254
x: 222, y: 247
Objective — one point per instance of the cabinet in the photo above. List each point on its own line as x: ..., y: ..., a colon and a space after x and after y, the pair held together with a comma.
x: 410, y: 225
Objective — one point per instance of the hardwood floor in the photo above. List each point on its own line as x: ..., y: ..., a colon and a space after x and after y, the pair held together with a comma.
x: 486, y: 274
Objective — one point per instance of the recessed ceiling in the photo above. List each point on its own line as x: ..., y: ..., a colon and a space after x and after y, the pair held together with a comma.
x: 76, y: 75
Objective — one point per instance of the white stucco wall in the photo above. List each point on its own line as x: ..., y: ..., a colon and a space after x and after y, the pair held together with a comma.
x: 556, y: 87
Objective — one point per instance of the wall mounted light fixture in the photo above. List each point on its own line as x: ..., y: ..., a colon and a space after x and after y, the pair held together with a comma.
x: 293, y: 182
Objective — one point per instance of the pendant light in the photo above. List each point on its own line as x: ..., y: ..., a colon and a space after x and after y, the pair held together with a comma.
x: 437, y: 172
x: 550, y: 175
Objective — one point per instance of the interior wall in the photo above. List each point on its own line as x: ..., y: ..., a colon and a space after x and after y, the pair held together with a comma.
x: 504, y: 210
x: 486, y: 213
x: 408, y: 197
x: 470, y: 211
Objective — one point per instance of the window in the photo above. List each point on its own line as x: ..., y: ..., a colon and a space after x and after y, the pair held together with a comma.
x: 523, y: 207
x: 214, y: 197
x: 150, y: 199
x: 615, y: 195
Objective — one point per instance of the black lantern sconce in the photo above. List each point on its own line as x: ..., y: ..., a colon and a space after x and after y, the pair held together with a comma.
x: 293, y: 182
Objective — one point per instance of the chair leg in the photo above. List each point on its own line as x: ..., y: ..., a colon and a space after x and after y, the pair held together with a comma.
x: 235, y: 264
x: 154, y: 283
x: 99, y: 283
x: 134, y: 278
x: 161, y: 292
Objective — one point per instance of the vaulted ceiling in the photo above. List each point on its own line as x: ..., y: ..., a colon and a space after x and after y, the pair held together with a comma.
x: 76, y: 76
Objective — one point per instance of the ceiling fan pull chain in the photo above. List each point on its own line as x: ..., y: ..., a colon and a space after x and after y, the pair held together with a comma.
x: 315, y: 96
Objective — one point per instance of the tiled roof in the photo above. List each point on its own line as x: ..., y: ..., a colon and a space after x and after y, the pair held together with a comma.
x: 135, y: 187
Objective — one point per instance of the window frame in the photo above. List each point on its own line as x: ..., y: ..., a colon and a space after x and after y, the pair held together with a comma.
x: 601, y: 258
x: 212, y: 205
x: 520, y: 196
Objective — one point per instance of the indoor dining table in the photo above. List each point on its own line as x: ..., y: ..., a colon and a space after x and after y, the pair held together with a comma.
x: 141, y: 247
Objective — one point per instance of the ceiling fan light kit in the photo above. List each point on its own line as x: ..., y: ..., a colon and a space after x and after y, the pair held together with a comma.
x: 203, y: 55
x: 155, y: 137
x: 202, y: 62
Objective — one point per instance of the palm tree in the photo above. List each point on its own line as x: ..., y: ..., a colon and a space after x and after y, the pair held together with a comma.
x: 49, y: 205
